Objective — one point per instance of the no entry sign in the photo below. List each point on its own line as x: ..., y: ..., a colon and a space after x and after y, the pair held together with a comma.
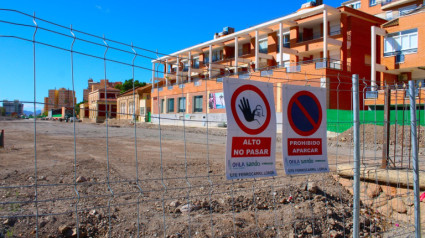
x: 304, y: 130
x: 251, y: 129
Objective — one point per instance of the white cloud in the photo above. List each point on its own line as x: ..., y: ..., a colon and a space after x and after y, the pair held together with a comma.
x: 100, y: 8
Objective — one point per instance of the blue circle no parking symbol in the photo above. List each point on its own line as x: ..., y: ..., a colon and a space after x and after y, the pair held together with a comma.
x: 304, y: 113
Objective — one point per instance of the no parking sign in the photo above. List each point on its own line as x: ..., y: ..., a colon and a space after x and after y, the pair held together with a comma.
x: 304, y: 130
x: 251, y: 129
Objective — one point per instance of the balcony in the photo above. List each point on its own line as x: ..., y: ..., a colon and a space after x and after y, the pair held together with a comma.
x: 387, y: 4
x: 399, y: 97
x: 301, y: 38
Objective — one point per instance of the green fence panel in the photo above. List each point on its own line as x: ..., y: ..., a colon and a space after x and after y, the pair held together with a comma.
x: 342, y: 120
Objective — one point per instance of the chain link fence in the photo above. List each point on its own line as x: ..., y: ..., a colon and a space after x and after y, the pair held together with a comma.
x: 126, y: 178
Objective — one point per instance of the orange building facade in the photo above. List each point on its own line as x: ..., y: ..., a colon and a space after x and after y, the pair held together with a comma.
x: 318, y: 46
x: 400, y: 55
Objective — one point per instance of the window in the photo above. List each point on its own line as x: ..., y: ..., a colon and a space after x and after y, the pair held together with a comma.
x: 389, y: 15
x: 217, y: 55
x: 197, y: 105
x: 401, y: 42
x: 182, y: 104
x: 142, y: 111
x: 372, y: 2
x: 335, y: 29
x: 195, y: 63
x: 206, y: 57
x: 244, y: 49
x: 263, y: 46
x: 197, y: 82
x: 406, y: 10
x: 285, y: 42
x: 355, y: 5
x: 170, y: 105
x: 185, y: 66
x: 162, y: 105
x: 122, y: 108
x: 131, y: 108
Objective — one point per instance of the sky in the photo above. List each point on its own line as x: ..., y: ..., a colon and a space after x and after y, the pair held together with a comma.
x: 163, y: 26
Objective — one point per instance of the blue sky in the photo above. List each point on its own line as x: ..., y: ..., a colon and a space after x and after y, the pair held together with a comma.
x: 166, y: 26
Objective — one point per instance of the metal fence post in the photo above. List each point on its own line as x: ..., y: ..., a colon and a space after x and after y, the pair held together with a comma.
x: 415, y: 162
x: 386, y: 145
x: 2, y: 139
x: 356, y: 154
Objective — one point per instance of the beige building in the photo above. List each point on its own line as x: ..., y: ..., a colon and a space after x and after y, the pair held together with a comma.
x: 92, y: 86
x: 101, y: 104
x: 140, y: 103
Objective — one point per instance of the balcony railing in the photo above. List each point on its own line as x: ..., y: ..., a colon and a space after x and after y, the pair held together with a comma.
x: 170, y: 87
x: 319, y: 63
x: 329, y: 63
x: 301, y: 38
x: 371, y: 95
x: 335, y: 32
x: 265, y: 73
x: 244, y: 75
x: 400, y: 55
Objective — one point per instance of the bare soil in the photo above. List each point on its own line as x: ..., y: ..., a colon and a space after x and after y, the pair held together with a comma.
x: 167, y: 182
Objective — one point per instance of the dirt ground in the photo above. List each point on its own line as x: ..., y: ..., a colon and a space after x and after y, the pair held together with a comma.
x: 174, y: 187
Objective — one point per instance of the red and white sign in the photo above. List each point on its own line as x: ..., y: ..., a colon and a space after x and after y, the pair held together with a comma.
x: 304, y: 130
x: 251, y: 129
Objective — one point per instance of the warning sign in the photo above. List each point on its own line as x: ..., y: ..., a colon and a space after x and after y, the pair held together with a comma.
x: 304, y: 130
x: 251, y: 129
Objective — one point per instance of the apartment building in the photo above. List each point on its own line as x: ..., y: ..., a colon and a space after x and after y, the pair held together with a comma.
x: 102, y: 103
x: 386, y: 9
x: 13, y: 107
x: 137, y: 101
x: 329, y: 43
x: 59, y: 98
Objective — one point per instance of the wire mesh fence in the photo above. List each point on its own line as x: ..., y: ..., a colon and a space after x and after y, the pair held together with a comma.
x: 128, y: 178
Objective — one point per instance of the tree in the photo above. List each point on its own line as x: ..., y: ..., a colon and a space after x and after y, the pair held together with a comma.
x: 128, y: 84
x: 77, y: 107
x: 2, y: 111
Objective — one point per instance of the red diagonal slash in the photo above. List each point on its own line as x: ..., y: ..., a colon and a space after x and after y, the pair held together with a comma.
x: 306, y: 114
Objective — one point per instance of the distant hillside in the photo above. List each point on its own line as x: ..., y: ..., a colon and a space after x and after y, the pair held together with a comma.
x: 27, y: 113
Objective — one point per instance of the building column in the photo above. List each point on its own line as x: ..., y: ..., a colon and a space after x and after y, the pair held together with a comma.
x: 153, y: 75
x: 325, y: 34
x: 281, y: 44
x: 210, y: 62
x: 178, y: 71
x: 257, y: 58
x: 166, y: 72
x: 375, y: 31
x: 189, y: 72
x: 236, y: 56
x: 373, y: 59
